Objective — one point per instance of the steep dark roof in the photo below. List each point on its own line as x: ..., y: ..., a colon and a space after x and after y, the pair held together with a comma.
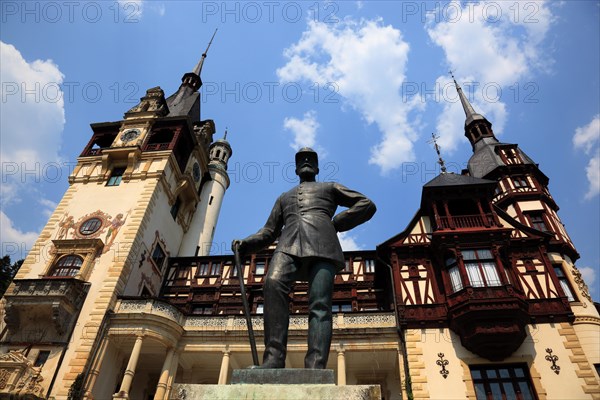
x: 485, y: 157
x: 451, y: 179
x: 189, y: 105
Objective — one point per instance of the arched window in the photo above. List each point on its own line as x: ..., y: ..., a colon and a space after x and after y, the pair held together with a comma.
x: 67, y: 266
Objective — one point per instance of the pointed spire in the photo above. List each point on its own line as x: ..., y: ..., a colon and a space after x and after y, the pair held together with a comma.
x: 433, y: 140
x: 198, y: 67
x: 225, y: 136
x: 190, y: 83
x: 477, y: 128
x: 467, y: 107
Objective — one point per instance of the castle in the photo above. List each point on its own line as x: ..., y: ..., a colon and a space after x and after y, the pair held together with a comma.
x: 478, y: 297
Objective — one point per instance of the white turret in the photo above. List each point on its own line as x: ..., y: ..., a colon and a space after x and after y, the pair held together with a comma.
x: 198, y: 240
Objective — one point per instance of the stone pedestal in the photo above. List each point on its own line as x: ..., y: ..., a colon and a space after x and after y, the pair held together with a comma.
x: 283, y: 376
x: 183, y: 391
x: 277, y: 384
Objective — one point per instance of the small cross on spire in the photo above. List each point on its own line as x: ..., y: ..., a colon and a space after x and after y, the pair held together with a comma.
x: 453, y: 78
x: 433, y: 140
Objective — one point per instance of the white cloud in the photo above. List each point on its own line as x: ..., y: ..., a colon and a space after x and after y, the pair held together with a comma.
x: 589, y: 276
x: 33, y: 115
x: 492, y: 45
x: 133, y: 9
x: 12, y: 238
x: 348, y: 242
x: 32, y: 118
x: 450, y: 123
x: 304, y: 130
x: 592, y: 171
x: 48, y: 206
x: 588, y: 138
x: 367, y: 62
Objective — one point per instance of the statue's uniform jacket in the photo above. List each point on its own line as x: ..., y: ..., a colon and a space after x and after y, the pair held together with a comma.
x: 303, y: 218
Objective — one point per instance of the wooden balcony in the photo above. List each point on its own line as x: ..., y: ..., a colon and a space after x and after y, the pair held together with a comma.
x: 157, y: 146
x: 490, y: 321
x: 466, y: 221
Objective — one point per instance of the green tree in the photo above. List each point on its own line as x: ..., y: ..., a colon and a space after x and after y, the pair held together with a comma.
x: 7, y: 272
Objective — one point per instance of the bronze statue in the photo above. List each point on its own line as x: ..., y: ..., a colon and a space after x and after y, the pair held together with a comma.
x: 308, y: 249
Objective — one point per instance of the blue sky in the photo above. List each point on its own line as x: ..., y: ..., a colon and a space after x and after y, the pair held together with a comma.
x: 365, y: 83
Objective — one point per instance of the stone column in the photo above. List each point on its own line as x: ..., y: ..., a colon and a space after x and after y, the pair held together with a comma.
x: 224, y: 368
x: 172, y: 374
x: 161, y: 388
x: 95, y: 371
x: 341, y: 363
x: 130, y: 370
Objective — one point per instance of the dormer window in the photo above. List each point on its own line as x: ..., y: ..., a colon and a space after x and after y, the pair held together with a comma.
x: 520, y: 182
x: 510, y: 156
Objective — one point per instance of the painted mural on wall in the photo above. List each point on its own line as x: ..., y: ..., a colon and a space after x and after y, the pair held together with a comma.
x: 97, y: 224
x: 113, y: 229
x: 67, y: 222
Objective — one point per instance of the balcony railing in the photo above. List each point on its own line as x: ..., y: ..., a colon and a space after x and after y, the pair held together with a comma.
x: 157, y: 146
x: 126, y: 308
x: 60, y: 297
x: 466, y: 221
x: 93, y: 152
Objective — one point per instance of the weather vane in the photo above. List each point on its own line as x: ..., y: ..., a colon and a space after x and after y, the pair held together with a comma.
x: 433, y: 140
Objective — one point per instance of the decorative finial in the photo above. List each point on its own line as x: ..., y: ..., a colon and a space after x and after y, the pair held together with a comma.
x: 225, y: 136
x: 454, y: 79
x: 198, y: 68
x: 433, y: 140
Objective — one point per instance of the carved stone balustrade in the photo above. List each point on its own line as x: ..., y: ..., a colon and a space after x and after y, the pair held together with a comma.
x: 59, y: 298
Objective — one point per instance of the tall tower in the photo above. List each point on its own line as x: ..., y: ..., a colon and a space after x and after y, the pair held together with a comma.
x: 522, y: 192
x: 133, y: 198
x: 199, y: 239
x: 522, y: 189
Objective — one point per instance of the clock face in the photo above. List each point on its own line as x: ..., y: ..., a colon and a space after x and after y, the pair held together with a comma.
x: 130, y: 135
x: 196, y: 172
